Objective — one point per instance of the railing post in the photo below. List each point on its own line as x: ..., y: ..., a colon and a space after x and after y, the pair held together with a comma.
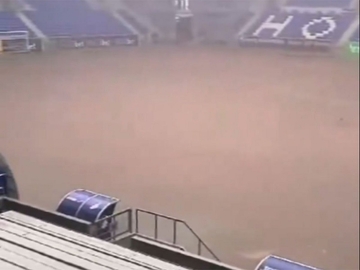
x: 137, y: 221
x: 156, y: 227
x: 175, y: 232
x: 130, y: 221
x: 175, y: 227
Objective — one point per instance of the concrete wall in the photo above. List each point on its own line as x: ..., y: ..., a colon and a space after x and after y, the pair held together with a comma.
x: 176, y: 256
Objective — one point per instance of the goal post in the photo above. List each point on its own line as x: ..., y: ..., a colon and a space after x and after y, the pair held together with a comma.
x: 14, y: 42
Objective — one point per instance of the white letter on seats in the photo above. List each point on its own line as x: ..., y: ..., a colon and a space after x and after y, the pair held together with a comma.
x: 268, y: 24
x: 328, y: 20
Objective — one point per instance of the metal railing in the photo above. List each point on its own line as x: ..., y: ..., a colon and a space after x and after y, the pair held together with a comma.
x: 175, y: 222
x: 112, y: 227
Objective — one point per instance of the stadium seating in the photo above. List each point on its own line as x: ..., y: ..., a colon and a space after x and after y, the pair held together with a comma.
x: 136, y: 24
x: 73, y: 18
x: 296, y: 25
x: 10, y: 22
x: 160, y: 13
x: 355, y: 36
x: 319, y: 3
x: 304, y: 19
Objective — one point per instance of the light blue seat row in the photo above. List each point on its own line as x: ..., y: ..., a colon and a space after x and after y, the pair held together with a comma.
x: 319, y: 3
x: 10, y: 22
x: 73, y: 18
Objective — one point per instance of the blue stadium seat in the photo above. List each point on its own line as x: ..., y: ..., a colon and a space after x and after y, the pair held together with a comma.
x: 355, y: 36
x: 301, y: 26
x: 319, y: 3
x: 10, y: 22
x: 56, y: 18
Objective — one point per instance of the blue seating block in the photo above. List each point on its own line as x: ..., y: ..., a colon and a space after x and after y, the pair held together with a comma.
x: 306, y: 26
x: 319, y: 3
x: 73, y: 18
x: 10, y: 22
x: 355, y: 36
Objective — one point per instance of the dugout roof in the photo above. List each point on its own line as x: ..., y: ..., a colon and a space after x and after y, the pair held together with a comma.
x: 29, y: 243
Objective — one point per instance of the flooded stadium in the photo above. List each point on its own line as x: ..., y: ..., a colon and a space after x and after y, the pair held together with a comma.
x: 257, y: 149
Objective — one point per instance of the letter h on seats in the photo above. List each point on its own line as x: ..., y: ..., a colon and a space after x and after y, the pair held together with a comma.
x: 269, y: 24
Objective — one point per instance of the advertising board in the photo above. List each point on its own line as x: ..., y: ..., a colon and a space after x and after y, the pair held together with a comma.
x: 96, y: 42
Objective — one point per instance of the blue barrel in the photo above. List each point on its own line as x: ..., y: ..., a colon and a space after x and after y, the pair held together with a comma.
x: 278, y: 263
x: 3, y: 184
x: 87, y: 205
x: 8, y: 186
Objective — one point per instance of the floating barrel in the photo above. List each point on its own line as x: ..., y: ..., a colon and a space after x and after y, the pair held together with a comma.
x: 3, y: 184
x: 277, y: 263
x: 92, y: 207
x: 8, y: 186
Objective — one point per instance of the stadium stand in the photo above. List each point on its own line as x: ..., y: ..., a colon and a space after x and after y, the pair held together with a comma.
x: 141, y: 28
x: 301, y: 25
x: 28, y: 243
x: 319, y: 3
x: 10, y: 22
x: 216, y: 22
x: 355, y: 36
x: 54, y: 240
x: 160, y: 14
x: 80, y: 20
x: 294, y: 19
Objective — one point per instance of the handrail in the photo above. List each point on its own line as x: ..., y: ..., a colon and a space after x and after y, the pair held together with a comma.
x: 165, y: 243
x: 114, y: 215
x: 112, y: 220
x: 113, y: 234
x: 175, y: 220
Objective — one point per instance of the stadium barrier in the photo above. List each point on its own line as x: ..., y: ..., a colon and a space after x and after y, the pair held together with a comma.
x: 14, y: 41
x: 95, y: 42
x: 20, y: 42
x: 319, y: 45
